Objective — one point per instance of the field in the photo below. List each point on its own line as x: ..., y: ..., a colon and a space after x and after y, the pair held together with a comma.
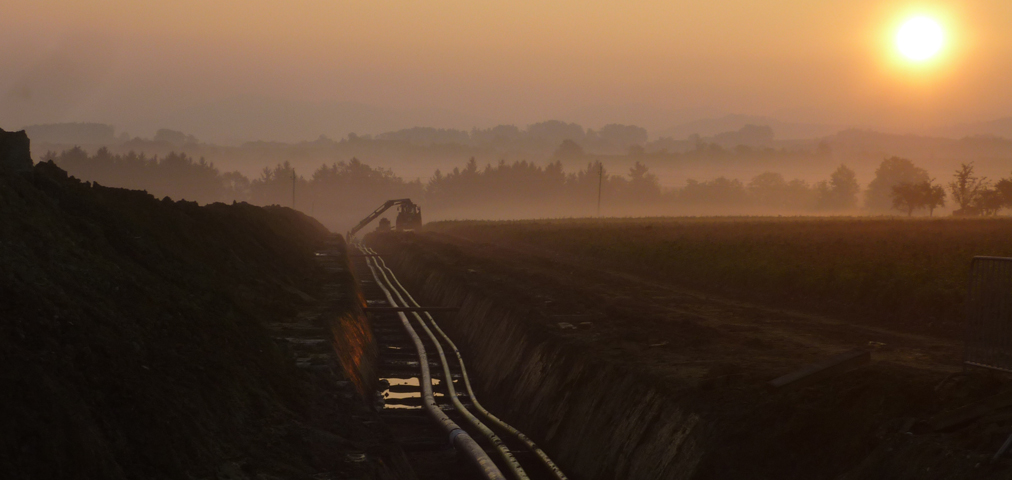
x: 901, y: 272
x: 707, y: 311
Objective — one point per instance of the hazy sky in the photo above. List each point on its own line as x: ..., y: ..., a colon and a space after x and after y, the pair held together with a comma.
x: 133, y: 62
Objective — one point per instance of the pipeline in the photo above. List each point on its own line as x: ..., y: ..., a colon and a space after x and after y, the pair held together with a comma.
x: 501, y: 448
x: 458, y: 437
x: 542, y: 456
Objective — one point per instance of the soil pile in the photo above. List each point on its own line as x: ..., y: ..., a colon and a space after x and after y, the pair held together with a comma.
x: 132, y: 332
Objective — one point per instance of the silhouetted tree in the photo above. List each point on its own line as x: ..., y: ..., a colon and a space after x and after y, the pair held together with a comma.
x: 177, y: 176
x: 891, y: 172
x: 568, y: 149
x: 840, y: 192
x: 988, y: 201
x: 554, y: 131
x: 908, y: 197
x: 643, y: 185
x: 768, y: 189
x: 965, y: 188
x: 1004, y: 188
x: 932, y: 195
x: 621, y: 137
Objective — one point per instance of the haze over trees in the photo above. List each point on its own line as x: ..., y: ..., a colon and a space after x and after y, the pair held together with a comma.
x: 740, y: 152
x: 339, y: 192
x: 907, y: 196
x: 746, y: 171
x: 891, y: 172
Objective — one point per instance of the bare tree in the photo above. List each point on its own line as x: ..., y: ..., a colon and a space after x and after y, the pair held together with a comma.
x: 965, y: 188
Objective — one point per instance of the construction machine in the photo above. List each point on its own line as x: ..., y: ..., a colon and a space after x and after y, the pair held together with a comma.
x: 409, y: 216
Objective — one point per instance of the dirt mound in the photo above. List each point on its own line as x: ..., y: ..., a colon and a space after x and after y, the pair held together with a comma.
x: 15, y: 151
x: 132, y: 331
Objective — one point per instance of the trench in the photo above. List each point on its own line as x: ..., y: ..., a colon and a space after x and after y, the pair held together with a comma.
x: 598, y: 420
x: 602, y: 417
x: 606, y: 416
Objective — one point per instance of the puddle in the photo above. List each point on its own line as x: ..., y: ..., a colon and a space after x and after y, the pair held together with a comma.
x: 405, y: 393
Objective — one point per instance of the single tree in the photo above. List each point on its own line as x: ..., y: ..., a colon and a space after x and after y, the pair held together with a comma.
x: 965, y: 188
x: 1004, y: 187
x: 891, y: 172
x: 568, y: 149
x: 932, y: 195
x: 768, y: 189
x: 908, y: 197
x: 840, y: 192
x: 988, y: 201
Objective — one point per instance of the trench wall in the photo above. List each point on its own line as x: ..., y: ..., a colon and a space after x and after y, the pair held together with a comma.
x: 353, y: 340
x: 597, y: 420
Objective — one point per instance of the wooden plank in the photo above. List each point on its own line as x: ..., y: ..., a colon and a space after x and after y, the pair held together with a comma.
x: 409, y: 309
x: 831, y: 366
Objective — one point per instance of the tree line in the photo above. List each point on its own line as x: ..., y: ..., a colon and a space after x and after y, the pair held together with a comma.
x: 338, y: 192
x: 903, y: 186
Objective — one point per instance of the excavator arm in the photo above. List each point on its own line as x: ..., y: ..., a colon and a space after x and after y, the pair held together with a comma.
x: 376, y: 213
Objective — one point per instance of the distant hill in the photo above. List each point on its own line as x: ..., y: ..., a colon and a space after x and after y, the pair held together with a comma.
x: 1001, y: 127
x: 250, y: 118
x: 72, y: 133
x: 713, y: 126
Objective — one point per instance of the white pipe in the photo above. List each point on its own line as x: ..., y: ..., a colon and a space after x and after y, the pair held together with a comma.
x: 542, y: 456
x: 501, y: 448
x: 458, y: 437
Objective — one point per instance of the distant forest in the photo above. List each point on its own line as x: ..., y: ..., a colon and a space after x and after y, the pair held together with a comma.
x: 414, y: 153
x: 340, y: 193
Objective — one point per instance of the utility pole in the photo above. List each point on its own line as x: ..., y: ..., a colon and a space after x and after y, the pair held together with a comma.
x: 293, y: 188
x: 600, y: 180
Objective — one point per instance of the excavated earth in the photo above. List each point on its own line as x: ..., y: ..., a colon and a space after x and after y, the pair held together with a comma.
x: 146, y: 338
x: 620, y: 377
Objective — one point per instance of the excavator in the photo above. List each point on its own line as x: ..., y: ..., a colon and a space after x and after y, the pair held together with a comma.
x: 409, y: 216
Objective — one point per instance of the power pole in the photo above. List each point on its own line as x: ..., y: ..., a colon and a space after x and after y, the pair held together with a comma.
x: 293, y: 188
x: 600, y: 180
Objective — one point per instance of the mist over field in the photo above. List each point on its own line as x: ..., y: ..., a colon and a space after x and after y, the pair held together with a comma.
x: 250, y: 239
x: 547, y: 169
x: 535, y: 111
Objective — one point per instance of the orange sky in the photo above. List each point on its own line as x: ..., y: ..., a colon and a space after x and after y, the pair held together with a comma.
x: 657, y: 63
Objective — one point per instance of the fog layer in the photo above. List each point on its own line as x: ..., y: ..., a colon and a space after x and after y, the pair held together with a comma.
x: 231, y: 71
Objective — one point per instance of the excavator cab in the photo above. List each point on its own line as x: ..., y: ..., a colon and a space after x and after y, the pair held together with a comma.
x: 409, y: 217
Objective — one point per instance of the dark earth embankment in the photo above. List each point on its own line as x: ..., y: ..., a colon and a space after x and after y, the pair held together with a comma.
x: 134, y: 339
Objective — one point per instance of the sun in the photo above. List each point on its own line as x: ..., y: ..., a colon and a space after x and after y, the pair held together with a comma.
x: 920, y: 38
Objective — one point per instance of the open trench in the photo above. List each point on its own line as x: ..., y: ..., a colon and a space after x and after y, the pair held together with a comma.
x: 604, y: 419
x: 596, y: 419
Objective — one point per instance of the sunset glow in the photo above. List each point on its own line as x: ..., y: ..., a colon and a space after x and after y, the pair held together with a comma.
x: 920, y: 39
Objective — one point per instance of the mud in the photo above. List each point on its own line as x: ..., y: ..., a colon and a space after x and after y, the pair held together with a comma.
x: 622, y: 378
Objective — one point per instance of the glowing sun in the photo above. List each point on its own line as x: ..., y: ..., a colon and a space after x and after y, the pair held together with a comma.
x: 920, y: 39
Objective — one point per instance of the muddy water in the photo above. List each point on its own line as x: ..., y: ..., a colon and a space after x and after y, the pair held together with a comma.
x: 405, y: 393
